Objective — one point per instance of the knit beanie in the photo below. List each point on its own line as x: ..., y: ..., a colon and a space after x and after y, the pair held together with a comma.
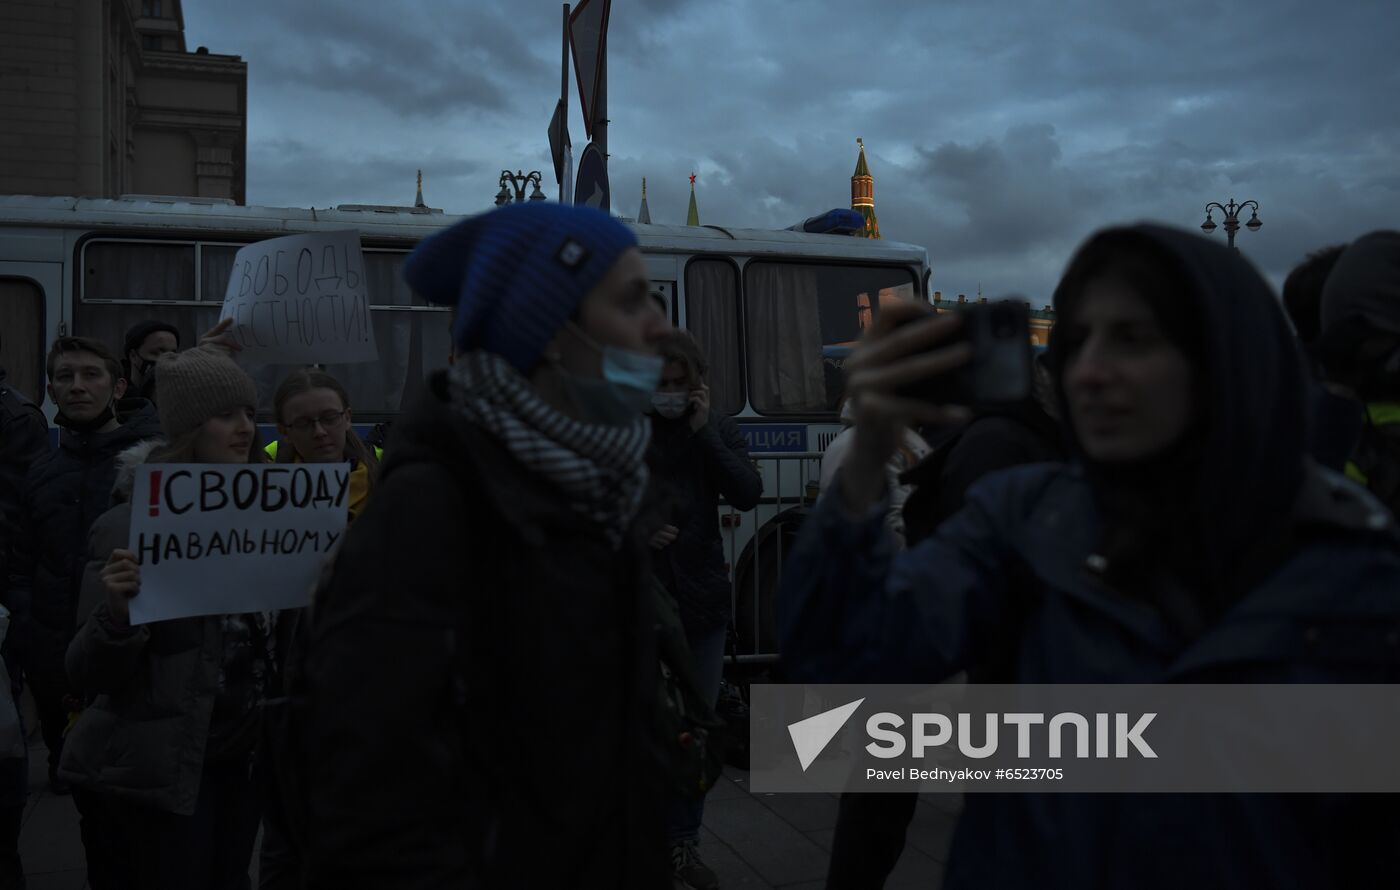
x: 137, y: 334
x: 198, y: 384
x: 516, y: 274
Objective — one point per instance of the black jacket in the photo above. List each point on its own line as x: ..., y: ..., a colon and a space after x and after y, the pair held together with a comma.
x: 24, y: 437
x: 480, y: 666
x: 691, y: 471
x: 994, y: 440
x: 64, y: 493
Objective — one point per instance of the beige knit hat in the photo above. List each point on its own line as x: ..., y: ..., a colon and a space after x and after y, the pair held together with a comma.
x: 197, y: 384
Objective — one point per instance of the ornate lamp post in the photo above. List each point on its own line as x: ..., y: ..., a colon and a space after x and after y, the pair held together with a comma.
x: 517, y: 182
x: 1232, y: 218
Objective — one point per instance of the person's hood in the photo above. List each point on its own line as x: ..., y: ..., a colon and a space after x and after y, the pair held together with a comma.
x: 1365, y: 284
x: 1251, y: 378
x: 127, y: 463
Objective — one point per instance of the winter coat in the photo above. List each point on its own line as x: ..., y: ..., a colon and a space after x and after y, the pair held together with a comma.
x: 692, y: 470
x: 480, y: 668
x: 1316, y: 605
x: 994, y: 440
x: 913, y: 450
x: 24, y: 438
x: 65, y: 491
x: 143, y: 739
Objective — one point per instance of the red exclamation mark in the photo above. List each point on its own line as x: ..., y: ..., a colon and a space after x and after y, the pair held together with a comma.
x: 155, y: 492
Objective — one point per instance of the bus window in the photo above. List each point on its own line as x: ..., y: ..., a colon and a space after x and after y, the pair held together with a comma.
x: 802, y: 320
x: 412, y: 340
x: 122, y: 282
x: 712, y: 315
x: 23, y: 348
x: 125, y: 270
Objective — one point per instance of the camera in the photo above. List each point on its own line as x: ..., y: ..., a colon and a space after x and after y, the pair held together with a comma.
x: 999, y: 372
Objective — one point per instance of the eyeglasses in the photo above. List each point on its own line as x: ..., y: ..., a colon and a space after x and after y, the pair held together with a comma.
x: 331, y: 420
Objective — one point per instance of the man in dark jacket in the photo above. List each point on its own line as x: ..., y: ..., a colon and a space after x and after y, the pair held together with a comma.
x: 1190, y: 540
x: 23, y: 439
x: 64, y: 492
x: 145, y: 342
x: 1359, y: 348
x: 697, y: 458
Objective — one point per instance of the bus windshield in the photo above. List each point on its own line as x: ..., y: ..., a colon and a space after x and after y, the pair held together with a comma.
x: 801, y: 320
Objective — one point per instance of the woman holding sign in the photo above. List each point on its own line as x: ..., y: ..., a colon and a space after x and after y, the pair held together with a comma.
x: 483, y: 661
x: 170, y: 735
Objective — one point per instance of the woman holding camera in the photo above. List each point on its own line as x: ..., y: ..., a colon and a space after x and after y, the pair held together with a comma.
x: 1189, y: 541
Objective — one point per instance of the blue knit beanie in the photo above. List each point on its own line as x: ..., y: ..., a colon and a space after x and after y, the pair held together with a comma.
x: 516, y: 274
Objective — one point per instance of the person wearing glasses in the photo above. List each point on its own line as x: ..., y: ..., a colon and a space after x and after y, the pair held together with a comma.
x: 312, y: 411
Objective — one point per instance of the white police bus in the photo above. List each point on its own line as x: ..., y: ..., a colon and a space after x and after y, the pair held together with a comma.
x: 774, y: 312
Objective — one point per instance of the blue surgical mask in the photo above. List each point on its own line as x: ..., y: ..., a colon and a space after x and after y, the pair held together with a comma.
x: 625, y: 389
x: 670, y: 405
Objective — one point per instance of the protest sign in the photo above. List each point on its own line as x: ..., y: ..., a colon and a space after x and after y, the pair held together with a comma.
x: 301, y: 300
x: 216, y: 539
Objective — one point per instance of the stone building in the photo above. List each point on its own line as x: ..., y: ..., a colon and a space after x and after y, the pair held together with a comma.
x: 100, y: 98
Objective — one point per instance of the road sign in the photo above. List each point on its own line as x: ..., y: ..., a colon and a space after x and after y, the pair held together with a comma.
x: 588, y: 37
x: 592, y: 188
x: 558, y: 139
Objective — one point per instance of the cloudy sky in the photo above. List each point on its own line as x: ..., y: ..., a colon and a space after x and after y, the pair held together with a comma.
x: 1000, y: 134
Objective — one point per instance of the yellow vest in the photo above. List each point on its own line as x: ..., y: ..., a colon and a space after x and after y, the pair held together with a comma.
x: 1380, y: 414
x: 359, y: 480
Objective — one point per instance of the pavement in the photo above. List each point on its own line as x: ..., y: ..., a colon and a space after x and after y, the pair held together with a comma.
x: 752, y: 841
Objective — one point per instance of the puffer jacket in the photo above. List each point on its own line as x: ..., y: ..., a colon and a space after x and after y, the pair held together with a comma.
x: 65, y: 491
x: 1020, y: 567
x: 481, y: 667
x: 143, y: 738
x: 692, y: 471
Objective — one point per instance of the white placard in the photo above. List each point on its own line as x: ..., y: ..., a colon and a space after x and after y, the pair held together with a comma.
x: 218, y: 539
x: 301, y: 300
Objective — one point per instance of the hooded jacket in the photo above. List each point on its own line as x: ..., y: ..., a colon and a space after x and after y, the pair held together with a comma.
x: 1319, y: 608
x: 480, y: 666
x: 65, y: 491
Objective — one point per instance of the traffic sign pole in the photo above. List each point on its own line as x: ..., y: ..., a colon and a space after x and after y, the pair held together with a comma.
x: 564, y: 101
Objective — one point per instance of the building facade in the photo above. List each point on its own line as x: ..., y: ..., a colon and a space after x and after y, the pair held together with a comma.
x: 101, y: 98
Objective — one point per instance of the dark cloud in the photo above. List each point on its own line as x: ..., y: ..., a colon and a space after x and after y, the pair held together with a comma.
x: 1000, y: 134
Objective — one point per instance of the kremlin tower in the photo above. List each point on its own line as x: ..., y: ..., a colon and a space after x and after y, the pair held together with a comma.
x: 863, y: 194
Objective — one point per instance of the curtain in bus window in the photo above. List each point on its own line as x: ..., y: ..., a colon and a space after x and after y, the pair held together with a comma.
x: 712, y: 316
x: 785, y: 338
x: 215, y: 266
x: 124, y: 270
x: 23, y: 349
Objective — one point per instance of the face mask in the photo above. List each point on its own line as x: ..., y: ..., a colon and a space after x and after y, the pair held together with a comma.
x: 625, y: 389
x: 670, y: 404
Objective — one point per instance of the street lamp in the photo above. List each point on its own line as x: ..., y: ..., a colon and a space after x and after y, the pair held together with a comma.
x: 1232, y: 218
x: 517, y: 181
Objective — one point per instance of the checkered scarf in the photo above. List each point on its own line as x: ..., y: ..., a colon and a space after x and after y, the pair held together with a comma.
x: 599, y: 468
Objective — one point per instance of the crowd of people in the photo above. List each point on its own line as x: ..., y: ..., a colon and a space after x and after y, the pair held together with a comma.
x: 477, y: 693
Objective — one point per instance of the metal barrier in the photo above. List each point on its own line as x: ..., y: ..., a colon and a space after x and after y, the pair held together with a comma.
x: 756, y: 543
